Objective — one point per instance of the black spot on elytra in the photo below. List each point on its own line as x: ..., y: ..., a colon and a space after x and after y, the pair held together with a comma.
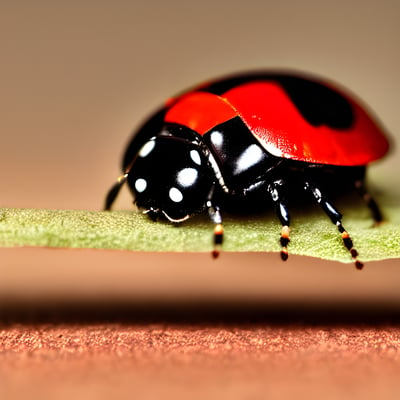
x: 319, y: 104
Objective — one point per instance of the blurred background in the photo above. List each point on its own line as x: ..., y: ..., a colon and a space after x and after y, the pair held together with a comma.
x: 77, y: 77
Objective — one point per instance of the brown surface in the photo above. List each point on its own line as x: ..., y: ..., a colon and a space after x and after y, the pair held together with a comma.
x: 103, y: 361
x: 88, y: 324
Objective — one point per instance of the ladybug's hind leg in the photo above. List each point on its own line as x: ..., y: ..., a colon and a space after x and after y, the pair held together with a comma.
x: 283, y: 215
x: 113, y: 192
x: 336, y: 218
x: 369, y: 201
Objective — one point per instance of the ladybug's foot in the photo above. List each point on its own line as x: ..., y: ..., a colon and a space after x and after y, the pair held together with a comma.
x: 348, y: 243
x: 285, y: 239
x: 216, y: 218
x: 218, y: 239
x: 283, y: 215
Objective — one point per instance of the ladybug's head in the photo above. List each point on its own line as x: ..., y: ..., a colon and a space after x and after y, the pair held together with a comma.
x: 170, y: 177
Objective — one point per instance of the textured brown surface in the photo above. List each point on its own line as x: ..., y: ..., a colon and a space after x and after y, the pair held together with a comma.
x: 102, y: 361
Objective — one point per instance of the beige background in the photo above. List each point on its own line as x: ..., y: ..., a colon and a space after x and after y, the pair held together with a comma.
x: 77, y: 77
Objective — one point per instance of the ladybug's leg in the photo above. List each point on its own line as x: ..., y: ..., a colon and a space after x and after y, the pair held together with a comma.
x: 336, y: 218
x: 283, y: 215
x: 215, y: 216
x: 369, y: 201
x: 113, y: 192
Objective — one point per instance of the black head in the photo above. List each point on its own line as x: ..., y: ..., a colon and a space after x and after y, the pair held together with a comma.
x: 170, y: 177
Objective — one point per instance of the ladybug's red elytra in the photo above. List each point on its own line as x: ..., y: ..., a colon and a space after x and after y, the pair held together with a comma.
x: 250, y: 141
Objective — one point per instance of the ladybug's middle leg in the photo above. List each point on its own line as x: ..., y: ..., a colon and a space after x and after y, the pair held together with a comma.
x: 336, y: 218
x: 216, y: 218
x: 283, y: 215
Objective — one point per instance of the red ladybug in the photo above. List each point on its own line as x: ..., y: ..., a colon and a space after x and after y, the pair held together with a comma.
x: 250, y: 141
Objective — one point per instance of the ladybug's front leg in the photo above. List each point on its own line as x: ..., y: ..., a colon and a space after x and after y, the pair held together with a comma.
x: 215, y: 216
x: 283, y: 215
x: 114, y: 191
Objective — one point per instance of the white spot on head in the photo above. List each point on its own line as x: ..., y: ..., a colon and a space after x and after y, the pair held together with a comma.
x: 175, y: 195
x: 217, y: 138
x: 187, y: 176
x: 147, y: 148
x: 140, y: 185
x: 195, y: 156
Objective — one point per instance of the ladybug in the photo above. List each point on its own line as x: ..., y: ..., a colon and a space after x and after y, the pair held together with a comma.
x: 249, y: 142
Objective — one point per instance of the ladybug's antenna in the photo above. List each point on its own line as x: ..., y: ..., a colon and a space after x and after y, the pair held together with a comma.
x: 216, y: 218
x: 336, y: 218
x: 113, y: 192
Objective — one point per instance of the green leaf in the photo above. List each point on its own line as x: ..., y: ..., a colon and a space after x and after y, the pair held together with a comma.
x: 312, y: 233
